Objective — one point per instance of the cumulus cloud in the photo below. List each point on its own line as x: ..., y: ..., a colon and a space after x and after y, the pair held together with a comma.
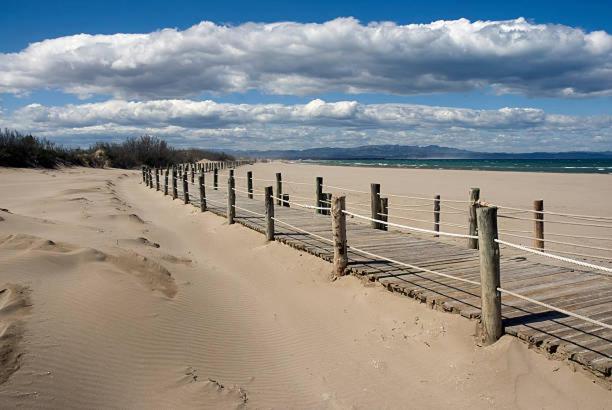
x: 317, y: 123
x: 342, y: 55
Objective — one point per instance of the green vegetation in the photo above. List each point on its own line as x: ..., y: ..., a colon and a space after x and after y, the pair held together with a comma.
x: 27, y: 151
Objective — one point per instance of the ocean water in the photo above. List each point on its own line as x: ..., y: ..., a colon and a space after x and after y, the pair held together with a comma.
x: 587, y: 166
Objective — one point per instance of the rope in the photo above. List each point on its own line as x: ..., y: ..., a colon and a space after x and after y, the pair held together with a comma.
x: 301, y: 205
x: 555, y: 222
x: 565, y: 312
x: 428, y: 199
x: 303, y: 231
x: 345, y: 189
x: 595, y: 217
x: 423, y: 210
x: 561, y: 258
x: 601, y: 238
x: 412, y: 228
x: 249, y: 211
x: 561, y: 243
x: 408, y: 219
x: 471, y: 282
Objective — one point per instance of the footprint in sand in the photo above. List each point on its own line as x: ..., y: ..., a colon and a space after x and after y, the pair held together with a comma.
x: 14, y: 307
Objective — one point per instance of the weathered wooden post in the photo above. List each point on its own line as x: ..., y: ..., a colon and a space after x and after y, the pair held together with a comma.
x: 384, y: 213
x: 286, y: 203
x: 250, y: 184
x: 174, y: 184
x: 157, y: 179
x: 144, y: 178
x: 166, y: 181
x: 150, y: 178
x: 472, y: 243
x: 375, y: 205
x: 279, y: 189
x: 269, y: 202
x: 215, y: 178
x: 338, y: 205
x: 318, y: 194
x: 231, y: 198
x: 538, y: 225
x: 436, y: 212
x: 185, y: 188
x: 490, y: 317
x: 202, y: 191
x: 192, y: 174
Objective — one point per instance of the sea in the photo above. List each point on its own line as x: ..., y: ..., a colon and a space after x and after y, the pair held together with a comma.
x: 566, y: 166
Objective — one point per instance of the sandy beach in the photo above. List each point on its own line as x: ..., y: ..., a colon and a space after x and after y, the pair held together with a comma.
x: 112, y: 296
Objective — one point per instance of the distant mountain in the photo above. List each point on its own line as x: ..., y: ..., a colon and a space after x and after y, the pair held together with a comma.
x: 410, y: 152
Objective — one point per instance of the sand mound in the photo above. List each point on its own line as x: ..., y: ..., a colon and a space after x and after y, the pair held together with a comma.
x: 149, y: 272
x: 14, y: 305
x: 132, y: 218
x: 176, y: 259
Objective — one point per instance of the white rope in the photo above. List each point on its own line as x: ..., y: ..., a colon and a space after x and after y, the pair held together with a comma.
x: 565, y: 312
x: 555, y: 222
x: 345, y: 189
x: 426, y: 210
x: 303, y: 231
x: 406, y: 218
x: 561, y: 243
x: 601, y: 238
x: 301, y: 205
x: 412, y: 228
x: 246, y: 192
x: 249, y: 211
x: 471, y: 282
x: 595, y: 217
x: 561, y: 258
x: 427, y: 199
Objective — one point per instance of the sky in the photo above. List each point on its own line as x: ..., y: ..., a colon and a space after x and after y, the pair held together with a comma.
x: 488, y: 76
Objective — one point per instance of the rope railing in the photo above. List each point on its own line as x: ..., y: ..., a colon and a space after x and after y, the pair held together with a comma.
x: 594, y: 217
x: 411, y: 228
x: 552, y: 256
x: 301, y: 205
x: 556, y: 222
x: 560, y: 242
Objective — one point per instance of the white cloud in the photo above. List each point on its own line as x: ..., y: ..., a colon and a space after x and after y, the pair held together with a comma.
x: 341, y: 55
x: 344, y: 123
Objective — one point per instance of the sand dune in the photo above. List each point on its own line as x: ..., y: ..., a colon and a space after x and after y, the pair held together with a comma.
x: 159, y: 306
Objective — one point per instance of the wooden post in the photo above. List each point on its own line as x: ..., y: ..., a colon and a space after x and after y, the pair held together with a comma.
x: 375, y: 205
x: 231, y: 198
x: 472, y: 243
x: 384, y: 210
x: 490, y: 317
x: 436, y: 212
x: 538, y: 224
x: 157, y: 179
x: 215, y: 178
x: 338, y: 206
x: 144, y: 178
x: 279, y: 189
x: 174, y: 184
x: 150, y: 178
x: 202, y: 192
x: 185, y: 188
x: 192, y: 174
x: 250, y: 184
x: 269, y: 202
x: 166, y: 182
x: 318, y: 194
x: 326, y: 199
x: 286, y: 203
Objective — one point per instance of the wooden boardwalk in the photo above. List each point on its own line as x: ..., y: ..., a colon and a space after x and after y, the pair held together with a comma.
x: 581, y: 291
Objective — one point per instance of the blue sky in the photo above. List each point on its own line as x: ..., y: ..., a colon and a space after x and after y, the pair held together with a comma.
x: 22, y: 24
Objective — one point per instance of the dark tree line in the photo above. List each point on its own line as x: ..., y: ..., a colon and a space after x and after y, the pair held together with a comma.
x: 19, y: 150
